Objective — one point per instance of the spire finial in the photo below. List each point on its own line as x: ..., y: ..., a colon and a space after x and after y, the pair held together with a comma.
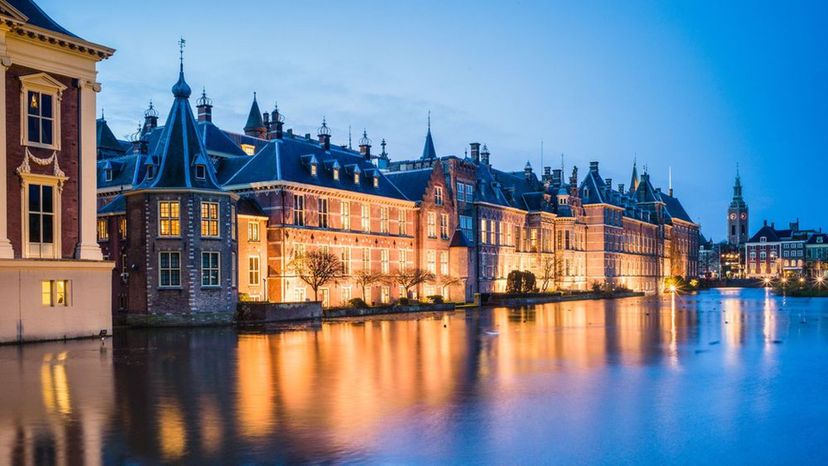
x: 562, y: 162
x: 349, y: 137
x: 103, y: 116
x: 181, y: 44
x: 737, y: 169
x: 429, y: 120
x: 254, y: 96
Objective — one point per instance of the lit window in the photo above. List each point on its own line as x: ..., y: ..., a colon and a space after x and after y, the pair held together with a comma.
x: 444, y: 220
x: 253, y: 231
x: 356, y: 178
x: 366, y: 218
x: 336, y: 174
x: 431, y: 261
x: 248, y: 149
x: 401, y: 221
x: 313, y: 169
x: 299, y: 210
x: 366, y: 259
x: 376, y: 180
x: 209, y: 219
x: 253, y: 270
x: 345, y: 258
x: 40, y: 118
x: 232, y: 222
x: 432, y: 225
x: 385, y: 297
x: 169, y: 268
x: 438, y: 195
x: 444, y: 263
x: 209, y: 269
x: 484, y: 235
x: 55, y: 293
x: 383, y: 219
x: 169, y: 222
x: 403, y: 262
x: 122, y: 227
x: 384, y: 254
x: 103, y: 230
x: 345, y: 210
x: 322, y: 207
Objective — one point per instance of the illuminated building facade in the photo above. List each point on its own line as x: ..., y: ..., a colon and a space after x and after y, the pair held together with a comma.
x: 774, y: 253
x: 53, y: 279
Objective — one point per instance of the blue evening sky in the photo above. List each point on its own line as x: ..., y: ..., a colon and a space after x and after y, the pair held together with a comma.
x: 696, y: 86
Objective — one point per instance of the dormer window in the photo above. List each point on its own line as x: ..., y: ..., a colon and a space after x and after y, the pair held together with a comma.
x: 150, y: 172
x: 313, y: 169
x: 356, y: 178
x: 248, y: 149
x: 201, y: 172
x: 763, y: 239
x: 819, y: 239
x: 336, y: 174
x: 108, y: 174
x: 376, y: 181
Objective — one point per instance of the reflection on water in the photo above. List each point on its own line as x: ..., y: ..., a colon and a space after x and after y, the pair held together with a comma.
x: 729, y: 375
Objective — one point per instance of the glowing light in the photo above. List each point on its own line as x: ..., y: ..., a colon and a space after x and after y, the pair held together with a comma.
x: 672, y: 288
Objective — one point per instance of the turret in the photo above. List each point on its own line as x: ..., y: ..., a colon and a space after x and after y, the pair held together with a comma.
x: 324, y: 135
x: 365, y: 145
x: 255, y: 125
x: 204, y: 106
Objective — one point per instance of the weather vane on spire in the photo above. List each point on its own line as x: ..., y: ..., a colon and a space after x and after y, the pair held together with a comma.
x: 181, y: 44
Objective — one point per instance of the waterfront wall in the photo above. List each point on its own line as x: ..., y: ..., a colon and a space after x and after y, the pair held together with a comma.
x: 278, y: 312
x: 373, y: 311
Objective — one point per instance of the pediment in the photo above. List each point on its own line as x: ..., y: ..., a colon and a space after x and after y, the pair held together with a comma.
x: 6, y: 9
x: 42, y: 81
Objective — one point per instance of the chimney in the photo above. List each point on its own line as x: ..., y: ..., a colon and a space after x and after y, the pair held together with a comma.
x: 484, y: 155
x: 795, y: 225
x: 608, y: 181
x: 204, y: 107
x: 277, y: 122
x: 475, y: 151
x: 765, y: 222
x: 556, y: 176
x: 365, y: 146
x: 527, y: 170
x: 593, y: 167
x: 621, y: 188
x: 266, y: 120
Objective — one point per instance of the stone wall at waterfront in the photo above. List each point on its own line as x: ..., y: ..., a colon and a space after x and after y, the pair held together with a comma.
x: 278, y: 312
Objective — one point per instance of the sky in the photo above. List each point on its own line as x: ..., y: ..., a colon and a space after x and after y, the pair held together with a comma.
x: 693, y: 86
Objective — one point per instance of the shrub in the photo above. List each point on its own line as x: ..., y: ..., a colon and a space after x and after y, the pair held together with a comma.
x: 357, y: 302
x: 436, y: 299
x: 520, y: 282
x: 404, y: 301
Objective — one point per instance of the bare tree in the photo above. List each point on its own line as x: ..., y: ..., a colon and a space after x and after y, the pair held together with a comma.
x: 410, y: 277
x: 364, y: 279
x: 317, y: 268
x: 551, y: 271
x: 448, y: 281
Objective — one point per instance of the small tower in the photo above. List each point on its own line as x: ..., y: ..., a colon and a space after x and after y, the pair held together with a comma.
x: 527, y: 170
x: 277, y: 123
x: 484, y: 155
x: 204, y: 106
x: 255, y: 125
x: 737, y: 215
x: 429, y: 153
x: 383, y: 161
x: 365, y: 145
x: 324, y: 135
x: 150, y: 118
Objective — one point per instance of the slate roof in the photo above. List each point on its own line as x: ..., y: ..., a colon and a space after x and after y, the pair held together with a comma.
x: 116, y: 206
x: 179, y: 149
x: 123, y: 170
x: 813, y: 239
x: 412, y: 183
x: 108, y: 145
x: 289, y: 159
x: 254, y: 118
x: 428, y: 148
x: 217, y: 141
x: 768, y: 232
x: 458, y: 240
x: 674, y: 208
x: 38, y: 17
x: 248, y: 206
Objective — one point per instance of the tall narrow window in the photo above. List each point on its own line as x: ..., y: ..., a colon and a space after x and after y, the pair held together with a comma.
x: 469, y: 193
x: 444, y: 263
x: 253, y: 270
x: 233, y: 222
x: 384, y: 260
x: 500, y: 233
x: 431, y: 261
x: 103, y: 229
x: 401, y: 221
x: 444, y: 220
x: 345, y: 258
x: 169, y: 268
x: 345, y: 210
x: 122, y: 227
x: 253, y: 231
x: 461, y: 192
x: 366, y: 259
x: 41, y: 219
x: 40, y: 118
x: 438, y: 195
x: 432, y: 225
x: 403, y: 260
x: 484, y: 234
x: 169, y: 218
x: 209, y: 269
x: 322, y: 205
x: 383, y: 219
x: 209, y: 219
x: 299, y: 210
x: 366, y: 218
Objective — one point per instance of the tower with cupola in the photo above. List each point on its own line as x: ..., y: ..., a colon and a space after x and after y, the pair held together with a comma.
x: 737, y: 215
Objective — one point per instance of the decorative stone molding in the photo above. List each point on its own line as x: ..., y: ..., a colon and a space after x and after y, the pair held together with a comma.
x: 25, y: 168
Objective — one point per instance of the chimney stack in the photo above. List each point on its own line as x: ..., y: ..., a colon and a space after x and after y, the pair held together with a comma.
x: 475, y: 151
x: 484, y: 155
x: 277, y: 122
x: 150, y: 119
x: 557, y: 177
x: 593, y: 167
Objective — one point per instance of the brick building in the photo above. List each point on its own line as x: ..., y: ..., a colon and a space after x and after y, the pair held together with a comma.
x: 52, y: 277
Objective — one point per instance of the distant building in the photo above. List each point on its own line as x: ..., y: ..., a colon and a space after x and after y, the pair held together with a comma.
x: 816, y: 254
x: 738, y: 216
x: 710, y: 265
x: 53, y: 279
x: 772, y: 253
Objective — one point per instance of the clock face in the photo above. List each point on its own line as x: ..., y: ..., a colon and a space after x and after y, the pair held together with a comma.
x: 744, y: 215
x: 733, y: 216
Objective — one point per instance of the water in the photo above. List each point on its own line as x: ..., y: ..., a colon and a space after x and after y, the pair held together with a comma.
x: 728, y: 376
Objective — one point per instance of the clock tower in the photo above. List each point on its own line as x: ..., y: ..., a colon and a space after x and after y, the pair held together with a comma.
x: 737, y: 216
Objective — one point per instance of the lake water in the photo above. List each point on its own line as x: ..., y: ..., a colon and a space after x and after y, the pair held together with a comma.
x: 728, y: 376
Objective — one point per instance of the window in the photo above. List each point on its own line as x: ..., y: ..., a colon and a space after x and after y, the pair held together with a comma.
x: 484, y: 235
x: 346, y: 294
x: 376, y: 180
x: 313, y: 169
x: 366, y: 218
x: 150, y: 172
x: 169, y: 268
x: 253, y: 270
x: 201, y: 172
x: 500, y: 233
x: 300, y: 294
x: 122, y: 227
x: 385, y: 297
x: 356, y: 177
x: 233, y: 222
x: 209, y: 219
x: 444, y: 263
x: 508, y: 235
x: 40, y: 117
x: 401, y: 221
x: 322, y: 205
x: 169, y: 222
x: 253, y: 231
x: 248, y: 149
x: 461, y: 191
x: 383, y: 219
x: 209, y: 268
x: 366, y: 259
x: 108, y: 174
x: 336, y: 174
x: 55, y: 293
x: 103, y: 230
x: 345, y: 258
x: 345, y: 210
x: 233, y: 278
x: 432, y: 225
x: 438, y: 195
x: 41, y: 216
x: 299, y: 210
x: 466, y: 226
x: 444, y: 220
x: 533, y: 241
x: 431, y: 261
x: 469, y: 193
x: 403, y: 262
x: 384, y: 260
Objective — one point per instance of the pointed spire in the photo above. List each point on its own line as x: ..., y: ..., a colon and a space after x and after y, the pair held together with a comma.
x: 255, y: 123
x: 429, y: 152
x: 634, y: 181
x: 181, y: 90
x: 103, y: 115
x: 670, y: 181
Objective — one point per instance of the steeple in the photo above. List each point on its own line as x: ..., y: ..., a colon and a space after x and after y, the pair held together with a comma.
x: 737, y: 186
x: 182, y: 161
x: 429, y: 153
x: 634, y: 178
x: 255, y: 124
x: 738, y: 215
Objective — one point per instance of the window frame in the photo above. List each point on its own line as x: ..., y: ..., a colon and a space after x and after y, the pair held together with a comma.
x: 254, y: 270
x: 210, y: 220
x: 41, y: 250
x: 173, y: 222
x: 170, y: 269
x: 41, y: 83
x: 211, y: 268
